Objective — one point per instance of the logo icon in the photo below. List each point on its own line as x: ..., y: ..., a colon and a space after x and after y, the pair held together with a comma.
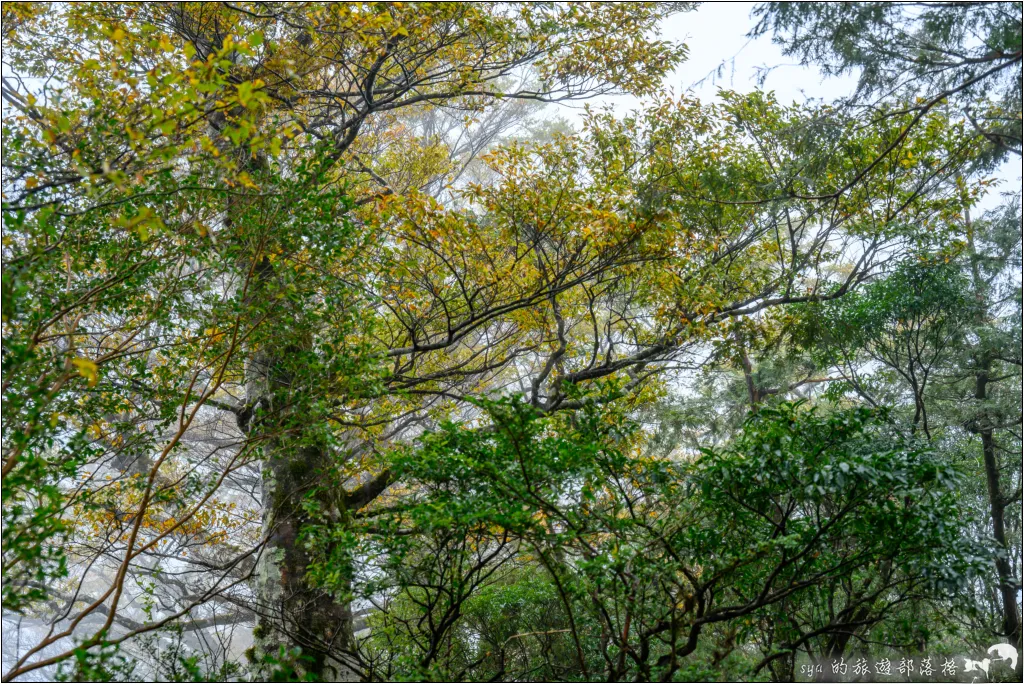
x: 1002, y: 652
x: 976, y: 665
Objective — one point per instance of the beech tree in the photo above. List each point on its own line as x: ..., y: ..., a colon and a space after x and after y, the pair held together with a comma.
x: 199, y: 152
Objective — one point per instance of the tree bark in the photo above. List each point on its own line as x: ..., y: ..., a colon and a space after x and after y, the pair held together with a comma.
x: 292, y: 612
x: 1011, y: 626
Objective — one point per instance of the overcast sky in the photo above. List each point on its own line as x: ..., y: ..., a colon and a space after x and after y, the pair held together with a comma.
x: 716, y: 33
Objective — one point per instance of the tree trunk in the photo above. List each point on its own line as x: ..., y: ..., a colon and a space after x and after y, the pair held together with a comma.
x: 783, y: 669
x: 292, y: 613
x: 1011, y: 626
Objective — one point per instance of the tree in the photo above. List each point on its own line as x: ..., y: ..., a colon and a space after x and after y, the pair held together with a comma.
x: 965, y: 54
x: 243, y: 262
x: 907, y: 322
x: 204, y: 143
x: 947, y: 331
x: 645, y: 557
x: 998, y: 330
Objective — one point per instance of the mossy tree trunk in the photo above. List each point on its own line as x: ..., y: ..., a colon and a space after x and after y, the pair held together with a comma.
x: 292, y: 612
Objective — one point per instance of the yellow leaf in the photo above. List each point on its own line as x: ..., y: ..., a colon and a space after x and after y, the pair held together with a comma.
x: 88, y: 370
x: 246, y: 180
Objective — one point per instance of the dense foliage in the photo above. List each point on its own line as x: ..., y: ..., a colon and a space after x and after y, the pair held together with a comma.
x: 628, y: 560
x: 326, y: 358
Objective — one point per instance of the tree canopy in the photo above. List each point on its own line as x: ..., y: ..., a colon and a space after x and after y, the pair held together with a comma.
x: 327, y: 358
